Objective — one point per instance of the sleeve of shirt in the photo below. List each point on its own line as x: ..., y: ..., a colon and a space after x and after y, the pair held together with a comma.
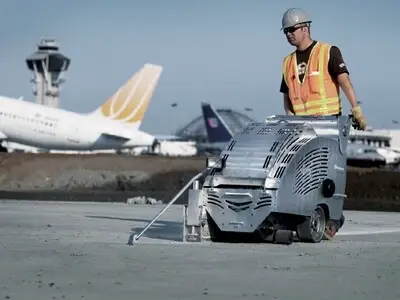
x: 284, y: 88
x: 336, y: 65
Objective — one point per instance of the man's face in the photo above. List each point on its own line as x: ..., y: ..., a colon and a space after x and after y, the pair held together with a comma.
x: 295, y: 34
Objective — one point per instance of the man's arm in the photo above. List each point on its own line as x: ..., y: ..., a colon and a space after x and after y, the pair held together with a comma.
x: 339, y: 72
x: 286, y: 101
x: 348, y: 89
x: 287, y: 105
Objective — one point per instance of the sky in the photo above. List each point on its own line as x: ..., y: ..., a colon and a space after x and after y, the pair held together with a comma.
x: 227, y: 53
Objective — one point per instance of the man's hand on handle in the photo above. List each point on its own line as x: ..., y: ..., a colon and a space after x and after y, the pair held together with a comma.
x: 359, y: 117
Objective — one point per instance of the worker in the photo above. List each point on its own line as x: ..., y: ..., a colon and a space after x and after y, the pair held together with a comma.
x: 312, y: 77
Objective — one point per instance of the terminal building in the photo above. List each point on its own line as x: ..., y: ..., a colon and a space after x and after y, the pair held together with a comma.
x: 195, y: 129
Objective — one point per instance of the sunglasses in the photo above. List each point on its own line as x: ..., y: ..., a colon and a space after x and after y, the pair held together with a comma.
x: 292, y: 29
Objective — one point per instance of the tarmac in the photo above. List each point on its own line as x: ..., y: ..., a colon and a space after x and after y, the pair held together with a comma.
x: 80, y: 250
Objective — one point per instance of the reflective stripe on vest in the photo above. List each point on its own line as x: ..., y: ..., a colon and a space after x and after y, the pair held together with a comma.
x: 312, y: 97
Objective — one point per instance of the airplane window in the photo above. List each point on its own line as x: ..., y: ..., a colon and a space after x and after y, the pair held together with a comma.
x: 370, y: 151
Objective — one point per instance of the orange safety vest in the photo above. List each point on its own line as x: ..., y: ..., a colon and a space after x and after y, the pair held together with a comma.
x: 318, y: 94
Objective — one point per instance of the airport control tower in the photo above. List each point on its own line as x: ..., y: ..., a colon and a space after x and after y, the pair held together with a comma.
x: 48, y: 67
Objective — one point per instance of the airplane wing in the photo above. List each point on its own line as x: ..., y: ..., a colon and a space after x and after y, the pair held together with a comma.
x: 117, y: 137
x: 127, y: 135
x: 161, y: 137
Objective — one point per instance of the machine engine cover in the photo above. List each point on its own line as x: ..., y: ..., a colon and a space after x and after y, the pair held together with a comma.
x: 287, y: 164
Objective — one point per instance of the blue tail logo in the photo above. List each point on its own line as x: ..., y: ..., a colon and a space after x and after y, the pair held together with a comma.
x: 217, y: 130
x: 212, y: 122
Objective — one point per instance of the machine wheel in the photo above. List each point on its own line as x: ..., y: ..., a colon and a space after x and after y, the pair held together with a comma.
x: 313, y: 228
x: 283, y: 237
x: 215, y: 233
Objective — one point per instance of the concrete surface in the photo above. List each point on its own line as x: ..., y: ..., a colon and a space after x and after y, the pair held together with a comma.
x: 79, y: 251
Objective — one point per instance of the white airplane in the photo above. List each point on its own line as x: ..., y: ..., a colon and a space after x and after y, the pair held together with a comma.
x: 114, y: 125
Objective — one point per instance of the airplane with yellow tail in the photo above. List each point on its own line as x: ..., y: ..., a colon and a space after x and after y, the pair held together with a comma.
x: 113, y: 125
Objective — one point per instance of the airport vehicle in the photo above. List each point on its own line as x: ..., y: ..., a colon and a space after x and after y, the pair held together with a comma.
x: 359, y: 155
x: 274, y: 180
x: 114, y: 125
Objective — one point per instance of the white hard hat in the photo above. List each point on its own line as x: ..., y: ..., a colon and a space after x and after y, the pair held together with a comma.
x: 294, y: 16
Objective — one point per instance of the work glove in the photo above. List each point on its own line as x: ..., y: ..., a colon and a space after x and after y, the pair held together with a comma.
x: 359, y: 118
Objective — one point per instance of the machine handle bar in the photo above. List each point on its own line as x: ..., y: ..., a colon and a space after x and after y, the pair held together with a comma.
x: 136, y: 237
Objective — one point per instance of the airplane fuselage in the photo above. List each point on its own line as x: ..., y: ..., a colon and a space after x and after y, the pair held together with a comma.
x: 50, y: 128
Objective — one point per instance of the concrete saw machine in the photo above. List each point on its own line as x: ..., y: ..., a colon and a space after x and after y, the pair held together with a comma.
x: 274, y: 181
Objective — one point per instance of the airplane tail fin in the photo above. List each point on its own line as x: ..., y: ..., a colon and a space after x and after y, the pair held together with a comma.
x: 217, y: 130
x: 130, y: 102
